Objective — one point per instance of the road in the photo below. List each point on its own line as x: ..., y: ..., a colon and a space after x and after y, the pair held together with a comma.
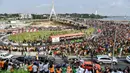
x: 1, y: 42
x: 122, y: 63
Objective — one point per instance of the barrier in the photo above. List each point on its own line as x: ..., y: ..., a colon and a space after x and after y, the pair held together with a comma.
x: 24, y: 30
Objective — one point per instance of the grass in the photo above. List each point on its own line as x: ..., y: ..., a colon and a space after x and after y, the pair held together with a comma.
x: 32, y: 36
x: 15, y: 71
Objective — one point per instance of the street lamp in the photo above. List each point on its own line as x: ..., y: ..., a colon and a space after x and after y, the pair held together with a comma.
x: 112, y: 65
x: 92, y: 52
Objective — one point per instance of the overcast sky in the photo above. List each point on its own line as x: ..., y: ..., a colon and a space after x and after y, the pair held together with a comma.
x: 103, y: 7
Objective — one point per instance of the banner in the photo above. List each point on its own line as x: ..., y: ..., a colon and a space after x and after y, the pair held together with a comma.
x: 56, y: 39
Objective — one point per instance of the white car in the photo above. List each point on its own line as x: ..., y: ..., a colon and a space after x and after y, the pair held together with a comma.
x: 106, y: 59
x: 5, y: 56
x: 72, y: 58
x: 128, y: 58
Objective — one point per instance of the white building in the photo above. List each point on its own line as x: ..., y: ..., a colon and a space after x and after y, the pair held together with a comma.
x: 25, y: 16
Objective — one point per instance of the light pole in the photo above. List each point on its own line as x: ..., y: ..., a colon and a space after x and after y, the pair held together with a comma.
x: 92, y: 52
x: 112, y: 65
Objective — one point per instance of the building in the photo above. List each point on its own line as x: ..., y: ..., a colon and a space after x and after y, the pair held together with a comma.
x: 25, y: 16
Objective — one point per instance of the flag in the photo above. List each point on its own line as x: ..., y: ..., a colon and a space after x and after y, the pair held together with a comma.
x: 99, y: 31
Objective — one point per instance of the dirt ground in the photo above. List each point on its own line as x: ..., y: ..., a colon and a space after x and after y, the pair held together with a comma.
x: 45, y: 24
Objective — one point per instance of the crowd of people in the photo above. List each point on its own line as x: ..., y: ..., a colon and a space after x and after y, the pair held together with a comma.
x: 49, y: 67
x: 104, y: 43
x: 113, y: 35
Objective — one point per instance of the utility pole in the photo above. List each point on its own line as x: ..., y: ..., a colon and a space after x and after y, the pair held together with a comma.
x: 112, y: 65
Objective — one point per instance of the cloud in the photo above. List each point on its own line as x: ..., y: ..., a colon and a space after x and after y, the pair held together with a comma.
x: 120, y: 3
x: 43, y: 5
x: 117, y: 3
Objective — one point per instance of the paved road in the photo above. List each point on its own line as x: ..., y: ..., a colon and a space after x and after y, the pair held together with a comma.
x: 122, y: 61
x: 121, y: 64
x: 1, y: 42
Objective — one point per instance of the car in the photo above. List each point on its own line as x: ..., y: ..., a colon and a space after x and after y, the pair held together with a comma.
x: 25, y: 58
x: 106, y: 59
x: 90, y: 65
x: 50, y: 58
x: 71, y: 59
x: 41, y: 58
x: 128, y: 58
x: 5, y: 55
x: 16, y: 63
x: 84, y: 58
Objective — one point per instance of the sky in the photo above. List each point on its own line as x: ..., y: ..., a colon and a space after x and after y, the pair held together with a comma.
x: 103, y: 7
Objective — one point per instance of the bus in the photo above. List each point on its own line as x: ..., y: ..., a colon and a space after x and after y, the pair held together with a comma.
x: 65, y: 37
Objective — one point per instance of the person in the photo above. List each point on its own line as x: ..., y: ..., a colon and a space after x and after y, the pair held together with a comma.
x: 2, y: 64
x: 112, y: 71
x: 80, y: 69
x: 81, y: 61
x: 6, y: 64
x: 58, y: 70
x: 45, y: 67
x: 35, y: 68
x: 30, y: 68
x: 64, y: 68
x: 119, y: 70
x: 12, y: 69
x: 51, y: 69
x: 97, y: 70
x: 25, y: 67
x: 69, y: 69
x: 41, y: 67
x: 86, y: 71
x: 74, y: 69
x: 9, y: 67
x: 89, y: 71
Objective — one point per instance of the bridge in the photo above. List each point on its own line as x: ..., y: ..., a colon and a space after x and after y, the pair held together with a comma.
x: 71, y: 22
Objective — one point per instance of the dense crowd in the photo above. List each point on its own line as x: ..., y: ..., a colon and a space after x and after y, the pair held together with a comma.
x: 102, y: 44
x: 50, y: 67
x: 107, y: 37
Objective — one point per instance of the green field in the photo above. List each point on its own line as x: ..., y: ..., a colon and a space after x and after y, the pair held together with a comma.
x: 15, y: 71
x: 32, y: 36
